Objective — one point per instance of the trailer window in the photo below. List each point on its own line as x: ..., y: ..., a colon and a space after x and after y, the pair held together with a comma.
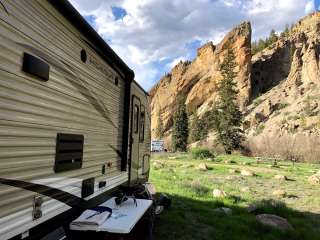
x: 136, y: 118
x: 142, y: 123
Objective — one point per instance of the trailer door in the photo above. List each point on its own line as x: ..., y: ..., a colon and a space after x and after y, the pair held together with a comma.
x: 135, y: 128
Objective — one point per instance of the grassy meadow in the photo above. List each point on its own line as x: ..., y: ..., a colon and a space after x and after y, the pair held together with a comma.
x: 193, y: 215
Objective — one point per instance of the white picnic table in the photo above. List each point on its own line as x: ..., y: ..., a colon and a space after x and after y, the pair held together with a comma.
x: 125, y: 216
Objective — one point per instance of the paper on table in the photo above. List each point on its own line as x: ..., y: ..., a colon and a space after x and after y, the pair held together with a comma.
x: 89, y: 220
x: 122, y: 219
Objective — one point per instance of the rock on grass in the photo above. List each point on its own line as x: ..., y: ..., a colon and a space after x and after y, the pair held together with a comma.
x: 223, y: 210
x: 280, y: 177
x: 203, y: 167
x: 217, y: 193
x: 247, y: 173
x: 279, y: 193
x: 252, y: 208
x: 234, y: 171
x: 158, y: 164
x: 274, y: 221
x: 314, y: 179
x: 245, y: 189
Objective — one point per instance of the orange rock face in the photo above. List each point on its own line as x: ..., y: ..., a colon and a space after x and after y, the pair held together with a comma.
x: 197, y: 80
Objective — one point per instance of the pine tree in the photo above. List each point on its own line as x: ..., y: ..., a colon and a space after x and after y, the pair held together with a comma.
x: 286, y: 31
x: 159, y: 129
x: 180, y: 131
x: 227, y: 118
x: 199, y: 130
x: 272, y: 38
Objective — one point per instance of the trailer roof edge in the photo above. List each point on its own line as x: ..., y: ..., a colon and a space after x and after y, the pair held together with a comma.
x: 74, y: 17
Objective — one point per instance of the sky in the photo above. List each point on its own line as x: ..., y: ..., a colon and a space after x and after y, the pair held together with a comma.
x: 151, y: 36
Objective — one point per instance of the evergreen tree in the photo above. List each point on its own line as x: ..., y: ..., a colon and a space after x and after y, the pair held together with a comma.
x: 199, y: 130
x: 227, y: 118
x: 180, y: 131
x: 272, y: 38
x: 159, y: 129
x: 286, y: 31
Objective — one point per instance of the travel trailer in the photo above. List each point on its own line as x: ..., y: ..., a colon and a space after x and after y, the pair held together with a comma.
x: 74, y: 125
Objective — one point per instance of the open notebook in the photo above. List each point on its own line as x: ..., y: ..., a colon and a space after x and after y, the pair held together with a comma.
x: 122, y: 219
x: 91, y: 219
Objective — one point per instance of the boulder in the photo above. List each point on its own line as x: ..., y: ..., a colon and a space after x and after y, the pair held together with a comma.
x: 158, y: 164
x: 257, y: 118
x: 246, y: 163
x: 217, y: 193
x: 274, y: 221
x: 252, y: 208
x: 247, y: 173
x: 279, y: 193
x: 268, y: 108
x: 223, y: 210
x: 234, y: 171
x: 280, y: 177
x: 245, y: 189
x: 314, y: 179
x: 203, y: 167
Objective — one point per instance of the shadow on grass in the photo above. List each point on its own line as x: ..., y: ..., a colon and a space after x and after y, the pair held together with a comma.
x: 196, y: 219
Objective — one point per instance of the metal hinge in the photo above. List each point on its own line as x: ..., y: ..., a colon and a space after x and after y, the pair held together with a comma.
x: 37, y: 211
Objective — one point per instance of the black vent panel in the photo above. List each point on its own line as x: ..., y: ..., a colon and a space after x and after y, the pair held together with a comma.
x: 36, y: 67
x: 69, y: 152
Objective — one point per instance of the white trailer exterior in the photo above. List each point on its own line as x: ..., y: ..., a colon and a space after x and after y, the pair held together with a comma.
x: 70, y: 129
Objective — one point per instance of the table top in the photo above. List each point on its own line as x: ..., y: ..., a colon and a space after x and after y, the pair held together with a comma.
x: 125, y: 216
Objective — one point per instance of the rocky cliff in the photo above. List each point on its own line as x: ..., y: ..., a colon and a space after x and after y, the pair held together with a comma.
x: 197, y: 80
x: 276, y: 85
x: 286, y: 83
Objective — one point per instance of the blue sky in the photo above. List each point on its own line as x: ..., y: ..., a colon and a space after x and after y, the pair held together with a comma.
x: 151, y: 36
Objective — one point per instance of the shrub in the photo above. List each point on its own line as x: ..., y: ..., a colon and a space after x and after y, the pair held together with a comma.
x: 282, y: 105
x: 260, y: 129
x: 201, y: 153
x: 257, y: 102
x: 294, y: 117
x: 288, y: 147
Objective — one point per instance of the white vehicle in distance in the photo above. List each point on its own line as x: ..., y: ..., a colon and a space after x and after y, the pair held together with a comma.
x: 157, y: 146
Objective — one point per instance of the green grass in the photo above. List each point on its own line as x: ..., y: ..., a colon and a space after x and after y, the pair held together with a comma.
x: 192, y: 214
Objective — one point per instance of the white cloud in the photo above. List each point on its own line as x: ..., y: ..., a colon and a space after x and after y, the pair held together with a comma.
x: 310, y: 6
x: 155, y: 30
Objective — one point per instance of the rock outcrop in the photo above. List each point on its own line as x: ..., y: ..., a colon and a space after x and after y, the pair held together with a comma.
x: 279, y: 87
x: 294, y: 58
x: 286, y: 83
x: 197, y: 80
